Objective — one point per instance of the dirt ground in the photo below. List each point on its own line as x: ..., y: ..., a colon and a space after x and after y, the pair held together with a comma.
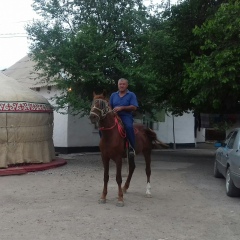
x: 187, y: 202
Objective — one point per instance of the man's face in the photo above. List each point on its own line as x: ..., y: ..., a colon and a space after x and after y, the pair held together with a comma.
x: 122, y: 85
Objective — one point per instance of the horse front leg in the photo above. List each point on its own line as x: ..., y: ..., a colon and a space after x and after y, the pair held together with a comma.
x: 147, y: 156
x: 132, y: 166
x: 120, y: 202
x: 105, y: 179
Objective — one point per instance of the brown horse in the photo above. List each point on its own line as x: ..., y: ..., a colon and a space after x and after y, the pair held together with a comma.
x: 113, y: 145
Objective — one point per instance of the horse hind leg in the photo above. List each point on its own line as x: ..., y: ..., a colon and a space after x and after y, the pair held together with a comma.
x: 147, y: 156
x: 131, y: 164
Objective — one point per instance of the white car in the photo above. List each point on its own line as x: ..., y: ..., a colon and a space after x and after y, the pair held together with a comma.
x: 227, y: 163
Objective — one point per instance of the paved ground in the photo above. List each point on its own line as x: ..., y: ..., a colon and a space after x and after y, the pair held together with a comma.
x: 188, y: 203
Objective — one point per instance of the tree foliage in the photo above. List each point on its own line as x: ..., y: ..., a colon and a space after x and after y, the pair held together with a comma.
x: 181, y: 58
x: 172, y: 44
x: 214, y: 75
x: 88, y: 45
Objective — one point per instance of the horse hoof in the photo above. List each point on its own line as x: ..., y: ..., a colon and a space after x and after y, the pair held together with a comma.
x: 148, y: 195
x: 101, y: 201
x: 120, y: 204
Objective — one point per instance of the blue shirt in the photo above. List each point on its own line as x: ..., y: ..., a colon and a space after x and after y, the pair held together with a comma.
x: 128, y: 99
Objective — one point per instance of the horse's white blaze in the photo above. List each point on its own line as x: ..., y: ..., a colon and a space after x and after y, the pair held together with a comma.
x: 148, y: 192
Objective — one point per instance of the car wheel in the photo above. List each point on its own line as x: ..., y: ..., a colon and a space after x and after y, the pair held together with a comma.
x: 216, y: 173
x: 231, y: 190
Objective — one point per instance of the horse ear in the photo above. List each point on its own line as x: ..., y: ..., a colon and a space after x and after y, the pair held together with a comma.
x: 94, y: 94
x: 104, y: 93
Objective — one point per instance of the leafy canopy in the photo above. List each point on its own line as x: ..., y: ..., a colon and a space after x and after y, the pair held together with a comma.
x: 181, y: 58
x: 88, y: 45
x: 214, y: 75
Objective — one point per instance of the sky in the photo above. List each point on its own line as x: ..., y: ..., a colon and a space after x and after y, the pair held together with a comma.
x: 14, y: 15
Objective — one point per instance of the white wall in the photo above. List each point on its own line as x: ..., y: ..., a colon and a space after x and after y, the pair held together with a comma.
x: 184, y: 129
x: 81, y: 132
x: 69, y: 130
x: 201, y: 135
x: 60, y: 133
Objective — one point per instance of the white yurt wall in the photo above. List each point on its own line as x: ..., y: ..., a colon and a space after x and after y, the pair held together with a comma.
x: 26, y: 125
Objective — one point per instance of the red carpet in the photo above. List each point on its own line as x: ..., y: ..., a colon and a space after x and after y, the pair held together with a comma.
x: 22, y: 169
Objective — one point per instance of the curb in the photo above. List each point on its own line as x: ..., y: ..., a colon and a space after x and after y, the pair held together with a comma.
x: 32, y: 167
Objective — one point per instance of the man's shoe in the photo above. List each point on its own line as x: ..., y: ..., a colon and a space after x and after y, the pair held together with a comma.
x: 131, y: 152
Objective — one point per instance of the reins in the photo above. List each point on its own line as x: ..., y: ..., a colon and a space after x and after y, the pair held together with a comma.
x: 121, y: 130
x: 104, y: 128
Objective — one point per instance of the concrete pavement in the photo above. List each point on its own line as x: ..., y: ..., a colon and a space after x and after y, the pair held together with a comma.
x: 188, y: 203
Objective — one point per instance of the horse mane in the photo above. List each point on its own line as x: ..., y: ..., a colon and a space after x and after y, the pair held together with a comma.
x: 100, y: 96
x: 103, y: 96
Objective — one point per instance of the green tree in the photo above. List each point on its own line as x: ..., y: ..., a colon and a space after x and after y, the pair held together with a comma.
x: 213, y: 79
x: 171, y: 44
x: 87, y: 45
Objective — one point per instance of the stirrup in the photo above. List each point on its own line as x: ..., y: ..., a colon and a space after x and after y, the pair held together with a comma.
x: 132, y: 152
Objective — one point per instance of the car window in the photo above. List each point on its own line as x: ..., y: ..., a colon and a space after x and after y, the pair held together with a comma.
x: 231, y: 140
x: 228, y: 137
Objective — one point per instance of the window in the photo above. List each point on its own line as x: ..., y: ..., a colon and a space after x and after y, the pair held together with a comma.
x: 49, y: 88
x: 232, y: 140
x: 38, y: 89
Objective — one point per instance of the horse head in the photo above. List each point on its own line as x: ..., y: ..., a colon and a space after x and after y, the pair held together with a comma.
x: 100, y: 107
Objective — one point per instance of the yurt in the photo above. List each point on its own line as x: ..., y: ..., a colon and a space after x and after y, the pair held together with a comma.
x: 26, y: 125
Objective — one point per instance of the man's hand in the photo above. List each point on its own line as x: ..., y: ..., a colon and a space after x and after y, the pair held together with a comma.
x: 124, y: 108
x: 117, y: 109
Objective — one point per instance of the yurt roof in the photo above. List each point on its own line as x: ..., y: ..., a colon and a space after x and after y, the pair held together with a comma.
x: 16, y: 97
x: 23, y: 71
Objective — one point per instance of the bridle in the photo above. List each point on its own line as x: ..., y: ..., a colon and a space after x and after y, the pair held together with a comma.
x: 102, y: 108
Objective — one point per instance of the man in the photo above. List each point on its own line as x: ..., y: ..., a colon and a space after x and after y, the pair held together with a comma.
x: 124, y: 102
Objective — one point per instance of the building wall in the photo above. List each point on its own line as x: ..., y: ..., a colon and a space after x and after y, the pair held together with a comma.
x: 60, y: 133
x: 183, y: 128
x: 81, y: 132
x: 76, y: 132
x: 200, y: 138
x: 71, y: 131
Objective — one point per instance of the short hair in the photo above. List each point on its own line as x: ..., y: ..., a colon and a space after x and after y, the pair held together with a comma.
x: 123, y: 79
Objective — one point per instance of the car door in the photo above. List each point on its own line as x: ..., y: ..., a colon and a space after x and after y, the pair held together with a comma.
x: 223, y: 151
x: 227, y: 151
x: 234, y: 161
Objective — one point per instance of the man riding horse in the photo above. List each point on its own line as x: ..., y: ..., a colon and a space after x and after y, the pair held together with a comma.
x: 112, y: 143
x: 123, y: 102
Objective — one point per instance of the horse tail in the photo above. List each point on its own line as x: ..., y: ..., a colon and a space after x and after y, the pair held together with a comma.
x: 156, y: 143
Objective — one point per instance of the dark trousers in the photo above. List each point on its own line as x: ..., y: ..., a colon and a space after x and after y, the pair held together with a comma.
x: 128, y: 124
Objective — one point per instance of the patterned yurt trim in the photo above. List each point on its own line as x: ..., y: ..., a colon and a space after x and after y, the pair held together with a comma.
x: 25, y: 107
